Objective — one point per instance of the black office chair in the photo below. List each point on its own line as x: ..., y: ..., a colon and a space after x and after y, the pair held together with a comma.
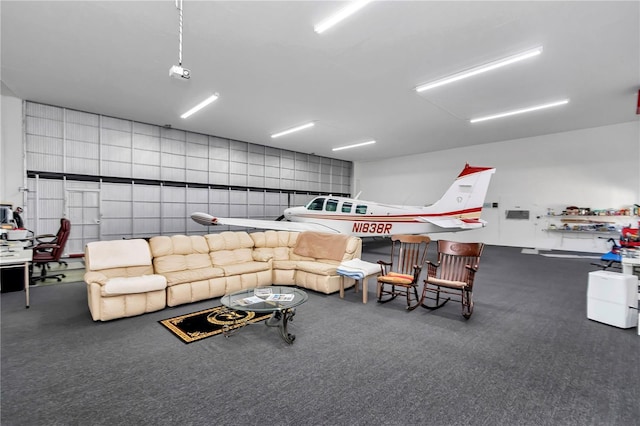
x: 50, y: 251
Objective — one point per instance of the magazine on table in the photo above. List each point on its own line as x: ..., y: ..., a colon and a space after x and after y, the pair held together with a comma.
x: 248, y: 301
x: 262, y: 292
x: 283, y: 297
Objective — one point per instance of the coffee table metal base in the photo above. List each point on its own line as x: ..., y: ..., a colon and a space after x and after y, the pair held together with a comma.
x: 280, y: 319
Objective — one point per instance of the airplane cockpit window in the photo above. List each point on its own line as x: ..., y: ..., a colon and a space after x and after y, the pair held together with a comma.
x: 361, y: 209
x: 316, y: 204
x: 346, y: 207
x: 332, y: 205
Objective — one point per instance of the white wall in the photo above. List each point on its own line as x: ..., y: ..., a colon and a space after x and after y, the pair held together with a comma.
x: 597, y: 168
x: 12, y: 174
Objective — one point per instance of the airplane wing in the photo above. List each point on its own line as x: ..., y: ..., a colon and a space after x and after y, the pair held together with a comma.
x: 208, y: 220
x: 448, y: 223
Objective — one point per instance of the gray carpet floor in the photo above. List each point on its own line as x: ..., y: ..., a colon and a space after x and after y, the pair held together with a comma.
x: 527, y: 356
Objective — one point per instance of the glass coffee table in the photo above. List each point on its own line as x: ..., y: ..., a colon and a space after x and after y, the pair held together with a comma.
x: 280, y: 301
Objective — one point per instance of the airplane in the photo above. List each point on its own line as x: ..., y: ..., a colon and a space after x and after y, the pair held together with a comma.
x: 459, y: 209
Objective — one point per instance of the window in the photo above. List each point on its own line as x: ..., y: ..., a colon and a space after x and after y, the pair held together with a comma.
x: 332, y: 205
x: 361, y: 209
x: 346, y: 207
x: 316, y: 204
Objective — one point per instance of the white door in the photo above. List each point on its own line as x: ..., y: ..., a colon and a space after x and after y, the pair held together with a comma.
x: 83, y: 207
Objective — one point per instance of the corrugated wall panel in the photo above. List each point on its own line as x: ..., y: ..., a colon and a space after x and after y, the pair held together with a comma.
x: 238, y: 210
x: 116, y: 138
x: 145, y: 209
x: 197, y: 176
x: 146, y: 193
x: 219, y: 196
x: 116, y: 153
x: 124, y: 126
x: 198, y: 163
x: 256, y: 212
x: 146, y: 129
x: 116, y: 169
x: 80, y: 149
x: 116, y: 209
x: 82, y: 166
x: 146, y: 172
x: 173, y: 226
x: 174, y: 134
x: 44, y: 111
x: 146, y: 142
x: 79, y: 117
x: 45, y: 127
x: 173, y: 174
x: 146, y: 157
x: 145, y: 228
x: 81, y: 132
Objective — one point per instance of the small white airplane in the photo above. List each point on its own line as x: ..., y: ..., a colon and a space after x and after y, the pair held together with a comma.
x: 459, y: 209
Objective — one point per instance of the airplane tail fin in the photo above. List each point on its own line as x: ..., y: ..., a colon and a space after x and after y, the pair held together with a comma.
x: 465, y: 197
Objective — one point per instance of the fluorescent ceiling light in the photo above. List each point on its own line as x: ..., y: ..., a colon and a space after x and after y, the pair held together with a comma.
x: 480, y: 69
x: 353, y: 146
x: 293, y: 129
x: 343, y: 13
x: 200, y: 105
x: 520, y: 111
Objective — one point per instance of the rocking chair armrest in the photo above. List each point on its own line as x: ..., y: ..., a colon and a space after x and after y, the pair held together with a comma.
x: 473, y: 268
x: 384, y: 266
x: 432, y: 268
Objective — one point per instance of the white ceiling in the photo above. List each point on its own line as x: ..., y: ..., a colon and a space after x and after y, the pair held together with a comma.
x: 355, y: 81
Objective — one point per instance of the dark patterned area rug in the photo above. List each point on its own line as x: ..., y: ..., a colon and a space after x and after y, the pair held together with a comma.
x: 209, y: 322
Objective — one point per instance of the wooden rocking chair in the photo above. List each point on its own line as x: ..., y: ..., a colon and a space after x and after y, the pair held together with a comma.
x: 453, y: 274
x: 400, y: 276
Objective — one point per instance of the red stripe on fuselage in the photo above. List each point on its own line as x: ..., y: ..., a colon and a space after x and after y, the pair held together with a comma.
x: 391, y: 218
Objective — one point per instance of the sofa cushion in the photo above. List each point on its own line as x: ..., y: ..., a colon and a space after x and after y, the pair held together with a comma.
x: 229, y: 240
x: 163, y: 245
x: 285, y: 264
x: 231, y: 257
x: 131, y: 285
x: 192, y: 275
x: 245, y: 268
x: 117, y: 254
x: 274, y: 238
x: 317, y: 268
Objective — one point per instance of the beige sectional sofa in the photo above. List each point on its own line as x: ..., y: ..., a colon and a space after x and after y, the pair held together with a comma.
x: 121, y: 281
x: 200, y: 267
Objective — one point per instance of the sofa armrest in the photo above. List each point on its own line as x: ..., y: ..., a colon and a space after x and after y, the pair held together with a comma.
x: 95, y: 277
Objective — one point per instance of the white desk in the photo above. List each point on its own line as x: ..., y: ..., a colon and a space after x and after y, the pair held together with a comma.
x: 629, y: 264
x: 15, y: 259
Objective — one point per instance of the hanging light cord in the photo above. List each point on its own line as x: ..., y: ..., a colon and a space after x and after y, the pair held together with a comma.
x: 179, y: 6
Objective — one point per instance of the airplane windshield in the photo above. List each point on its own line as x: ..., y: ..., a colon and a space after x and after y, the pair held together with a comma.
x: 316, y: 204
x: 332, y: 205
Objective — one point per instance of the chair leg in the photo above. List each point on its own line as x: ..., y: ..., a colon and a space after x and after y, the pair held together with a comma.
x: 381, y: 292
x: 436, y: 290
x: 412, y: 306
x: 467, y: 304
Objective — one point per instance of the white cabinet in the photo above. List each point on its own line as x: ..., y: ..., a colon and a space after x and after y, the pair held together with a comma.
x: 612, y: 298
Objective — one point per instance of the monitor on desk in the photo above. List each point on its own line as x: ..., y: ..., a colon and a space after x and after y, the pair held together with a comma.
x: 6, y: 214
